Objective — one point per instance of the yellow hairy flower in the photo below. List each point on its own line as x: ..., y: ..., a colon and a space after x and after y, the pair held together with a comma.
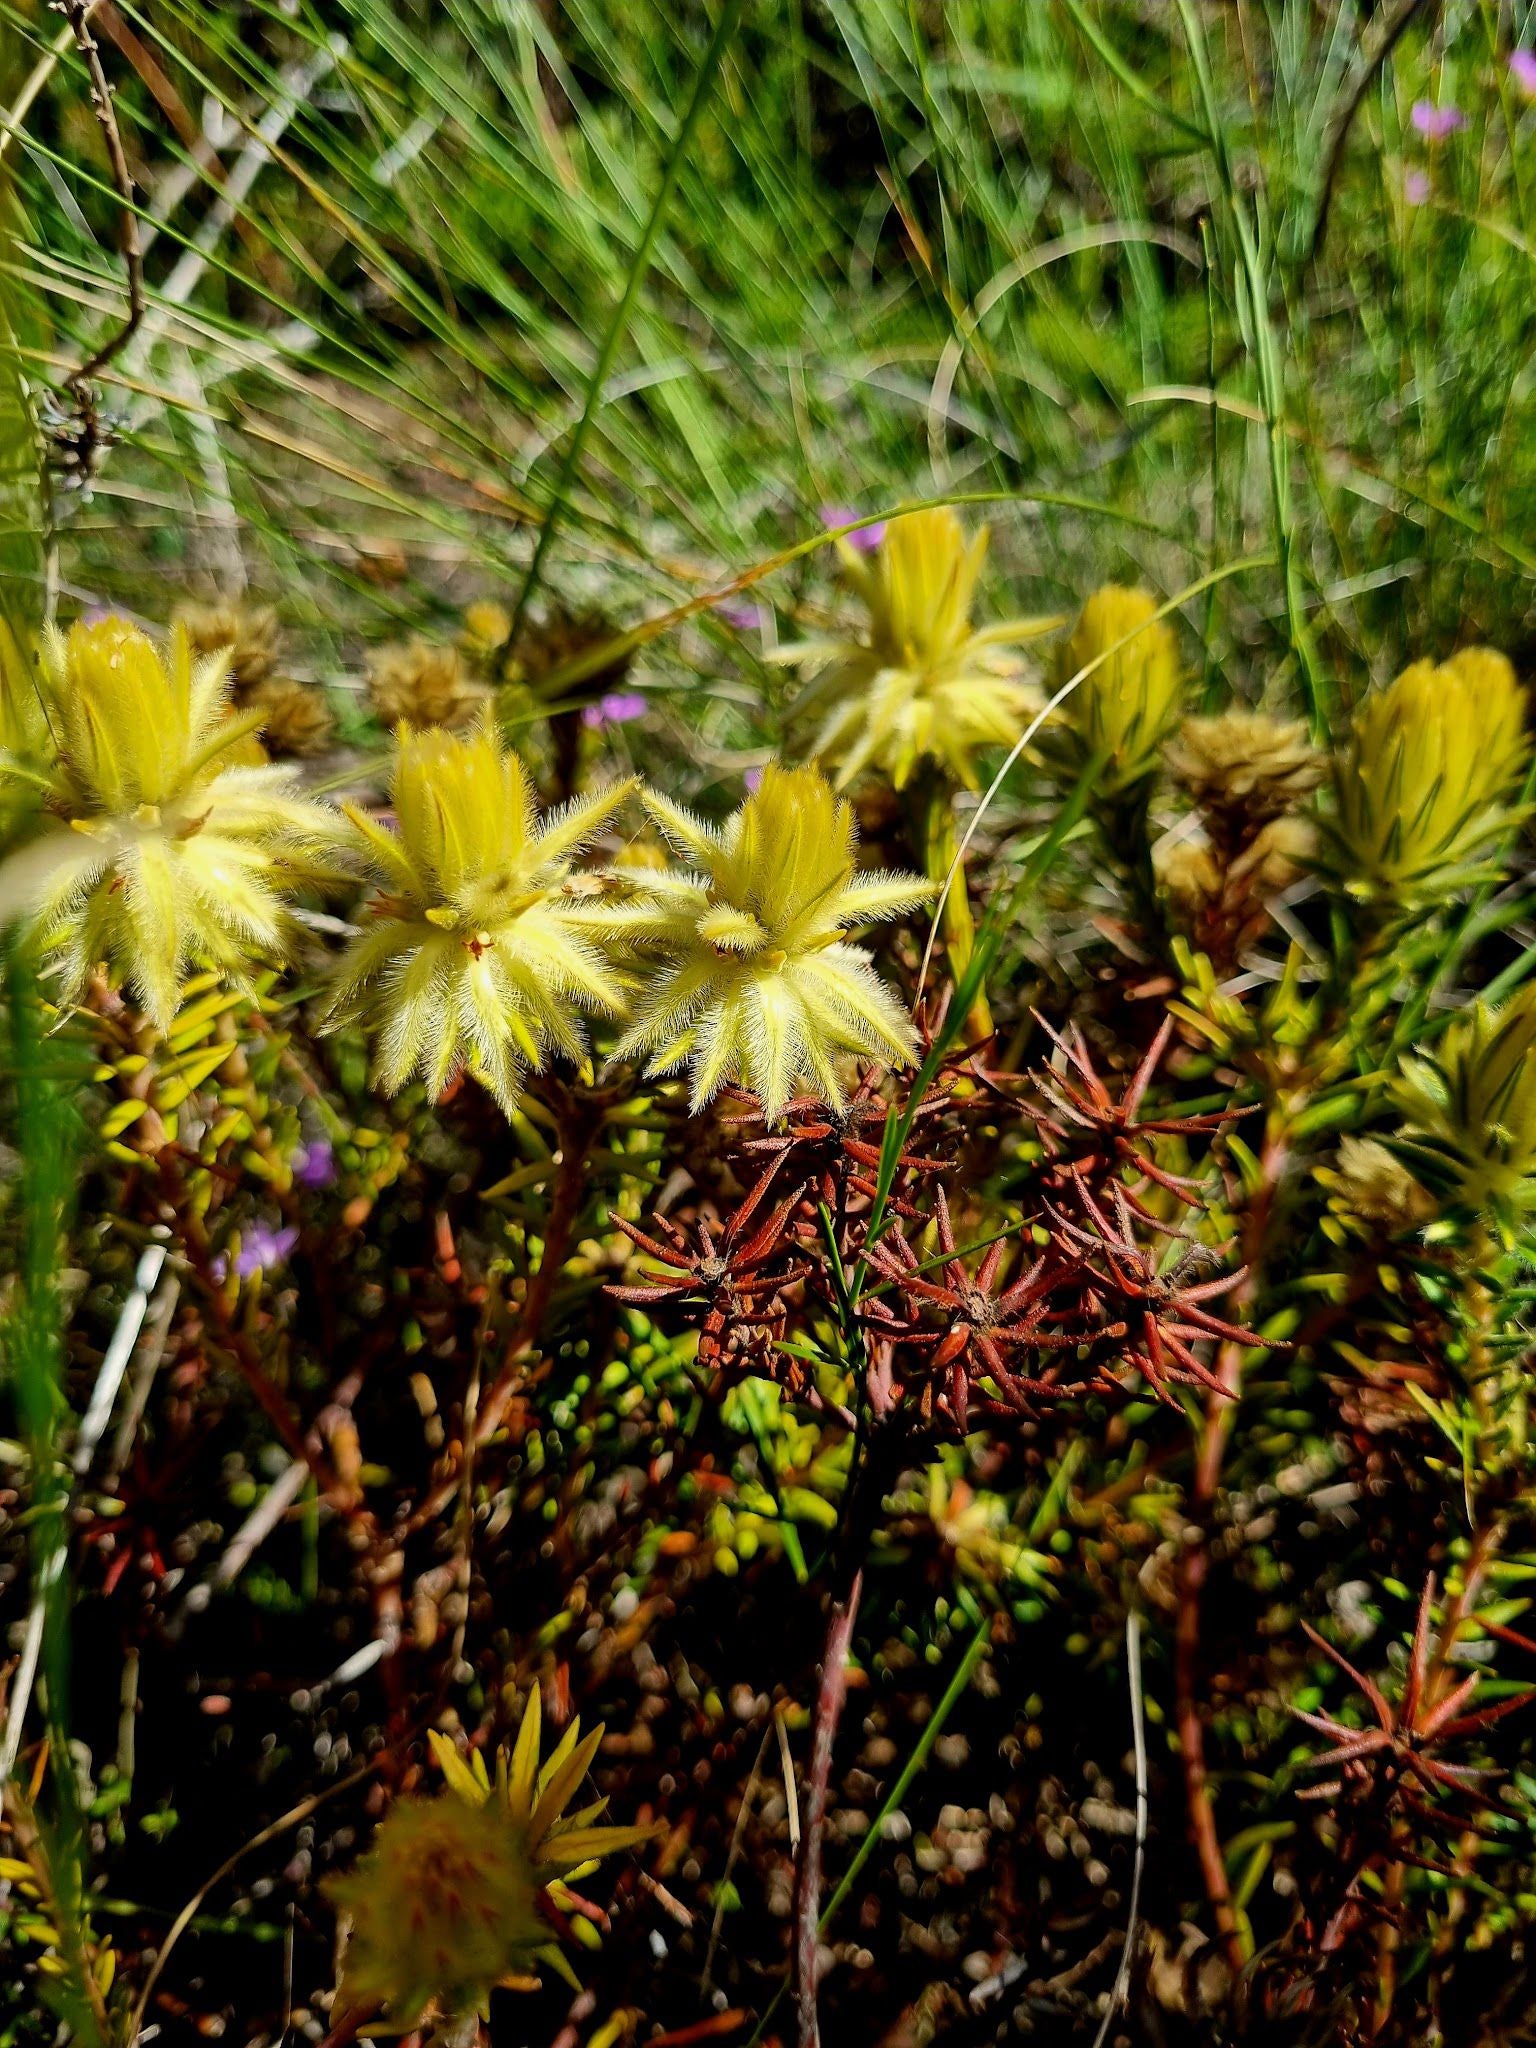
x: 1125, y: 707
x: 166, y: 845
x: 483, y: 946
x: 462, y: 1893
x: 1469, y: 1108
x: 758, y: 984
x: 484, y: 632
x: 1424, y: 785
x: 920, y: 685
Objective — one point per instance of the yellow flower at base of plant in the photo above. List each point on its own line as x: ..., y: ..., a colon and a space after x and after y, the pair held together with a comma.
x: 920, y: 684
x: 168, y: 844
x: 462, y: 1894
x: 1424, y: 786
x: 484, y: 946
x: 1132, y: 696
x: 758, y: 985
x: 1469, y: 1109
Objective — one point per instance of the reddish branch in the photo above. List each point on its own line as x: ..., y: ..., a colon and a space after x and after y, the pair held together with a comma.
x: 830, y: 1696
x: 578, y: 1118
x: 232, y: 1339
x: 1194, y: 1569
x: 1069, y: 1301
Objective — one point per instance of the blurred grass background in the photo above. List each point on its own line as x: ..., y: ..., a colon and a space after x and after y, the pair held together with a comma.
x: 1176, y: 282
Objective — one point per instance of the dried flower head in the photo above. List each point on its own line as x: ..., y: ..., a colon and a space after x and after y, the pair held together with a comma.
x: 1090, y: 1135
x: 1423, y: 788
x: 727, y: 1278
x: 1125, y: 707
x: 972, y: 1325
x: 245, y: 637
x: 481, y: 950
x: 296, y: 721
x: 836, y: 1153
x: 1243, y: 769
x: 423, y: 685
x: 1223, y: 886
x: 920, y: 685
x: 468, y: 1892
x: 758, y: 984
x: 1469, y: 1108
x: 165, y: 847
x: 1189, y: 871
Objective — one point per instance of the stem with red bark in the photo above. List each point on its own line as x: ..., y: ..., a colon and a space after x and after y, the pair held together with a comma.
x: 830, y: 1696
x: 1194, y: 1569
x: 232, y: 1339
x: 577, y: 1121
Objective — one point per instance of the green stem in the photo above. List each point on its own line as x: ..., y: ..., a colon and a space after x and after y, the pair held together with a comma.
x: 32, y: 1351
x: 933, y: 1728
x: 933, y: 807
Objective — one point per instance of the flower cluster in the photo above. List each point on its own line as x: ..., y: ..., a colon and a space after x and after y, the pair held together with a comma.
x: 164, y: 837
x: 920, y: 685
x: 1422, y: 791
x: 296, y: 720
x: 1130, y: 696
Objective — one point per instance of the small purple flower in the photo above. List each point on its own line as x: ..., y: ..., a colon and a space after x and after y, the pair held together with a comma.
x: 314, y: 1166
x: 261, y: 1247
x: 1522, y: 69
x: 741, y: 613
x: 1416, y: 187
x: 753, y: 779
x: 1436, y: 123
x: 865, y: 538
x: 617, y: 707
